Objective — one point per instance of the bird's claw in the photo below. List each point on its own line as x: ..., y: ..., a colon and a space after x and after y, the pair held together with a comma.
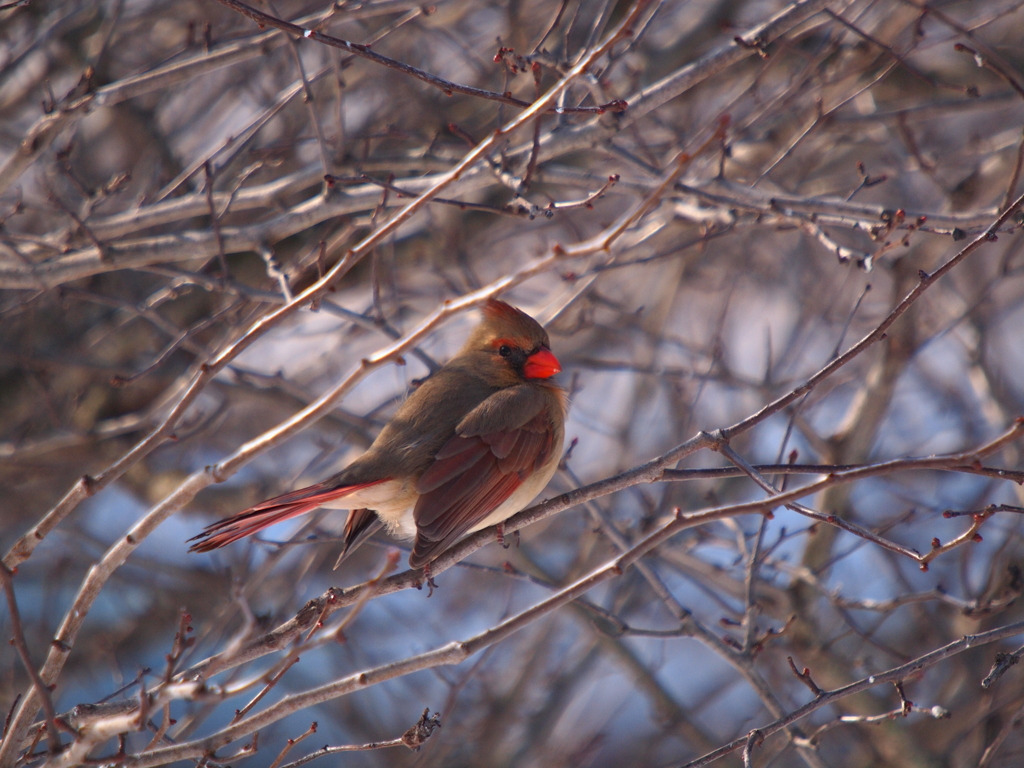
x: 429, y: 579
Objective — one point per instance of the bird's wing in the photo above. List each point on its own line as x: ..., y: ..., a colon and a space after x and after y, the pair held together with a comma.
x: 496, y: 447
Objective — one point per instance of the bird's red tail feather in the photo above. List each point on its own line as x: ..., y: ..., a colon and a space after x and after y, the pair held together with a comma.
x: 269, y: 512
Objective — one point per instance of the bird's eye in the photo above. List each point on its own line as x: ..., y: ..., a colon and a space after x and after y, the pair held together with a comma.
x: 504, y: 350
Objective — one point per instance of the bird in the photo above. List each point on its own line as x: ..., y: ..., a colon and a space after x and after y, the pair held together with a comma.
x: 470, y: 446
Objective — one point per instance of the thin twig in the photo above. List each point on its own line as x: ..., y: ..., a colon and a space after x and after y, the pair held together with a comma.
x: 18, y: 639
x: 445, y: 86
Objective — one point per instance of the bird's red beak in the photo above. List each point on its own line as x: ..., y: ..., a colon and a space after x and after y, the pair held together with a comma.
x: 541, y: 365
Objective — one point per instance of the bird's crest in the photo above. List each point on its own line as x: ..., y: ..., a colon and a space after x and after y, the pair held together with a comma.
x: 499, y: 309
x: 504, y: 320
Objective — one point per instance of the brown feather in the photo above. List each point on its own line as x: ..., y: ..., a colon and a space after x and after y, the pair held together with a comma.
x: 360, y: 525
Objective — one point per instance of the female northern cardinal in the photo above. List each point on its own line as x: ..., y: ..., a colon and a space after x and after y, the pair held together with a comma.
x: 473, y: 445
